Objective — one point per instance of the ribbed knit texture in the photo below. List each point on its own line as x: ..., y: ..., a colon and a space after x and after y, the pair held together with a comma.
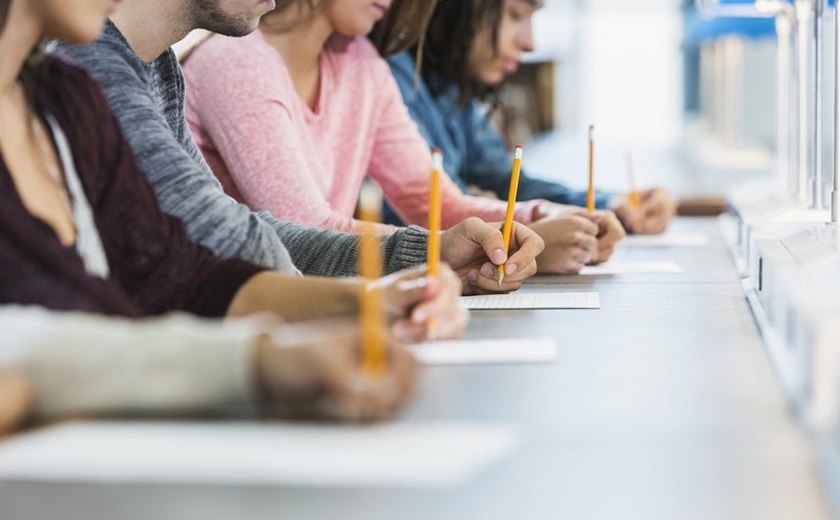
x: 154, y: 267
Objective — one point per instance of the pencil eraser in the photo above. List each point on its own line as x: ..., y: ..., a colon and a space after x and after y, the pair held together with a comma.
x: 437, y: 159
x: 517, y: 153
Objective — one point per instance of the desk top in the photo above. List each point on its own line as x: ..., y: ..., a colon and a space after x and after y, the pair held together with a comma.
x: 662, y: 405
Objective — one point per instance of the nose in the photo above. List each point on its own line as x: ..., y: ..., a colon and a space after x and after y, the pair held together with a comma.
x: 526, y: 38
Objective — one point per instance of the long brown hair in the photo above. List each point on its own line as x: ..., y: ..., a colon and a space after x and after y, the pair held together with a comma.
x: 402, y: 27
x: 446, y: 48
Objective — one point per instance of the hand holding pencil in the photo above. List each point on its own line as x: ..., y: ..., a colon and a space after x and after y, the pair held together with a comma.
x: 419, y: 303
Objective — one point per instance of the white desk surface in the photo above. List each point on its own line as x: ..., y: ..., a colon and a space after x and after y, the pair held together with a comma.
x: 662, y: 405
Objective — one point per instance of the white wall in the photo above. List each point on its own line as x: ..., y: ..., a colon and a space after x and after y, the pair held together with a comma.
x: 621, y: 66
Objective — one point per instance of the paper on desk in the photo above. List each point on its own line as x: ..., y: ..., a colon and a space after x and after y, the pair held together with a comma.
x: 801, y: 215
x: 666, y: 240
x: 622, y: 267
x: 487, y: 351
x: 392, y: 455
x: 559, y: 300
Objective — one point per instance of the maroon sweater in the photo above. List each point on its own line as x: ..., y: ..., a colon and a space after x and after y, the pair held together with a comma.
x: 154, y: 267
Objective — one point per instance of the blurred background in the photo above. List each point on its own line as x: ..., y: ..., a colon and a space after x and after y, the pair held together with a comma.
x: 688, y: 90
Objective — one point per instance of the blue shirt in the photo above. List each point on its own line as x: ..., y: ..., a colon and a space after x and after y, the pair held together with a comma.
x: 473, y: 151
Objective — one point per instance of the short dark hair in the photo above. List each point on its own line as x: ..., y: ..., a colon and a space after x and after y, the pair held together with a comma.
x: 446, y: 49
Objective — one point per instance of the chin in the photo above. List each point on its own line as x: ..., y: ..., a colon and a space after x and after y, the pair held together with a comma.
x: 493, y: 80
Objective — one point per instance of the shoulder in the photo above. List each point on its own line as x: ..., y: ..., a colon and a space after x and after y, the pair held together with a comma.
x: 110, y: 55
x: 402, y: 66
x: 75, y: 82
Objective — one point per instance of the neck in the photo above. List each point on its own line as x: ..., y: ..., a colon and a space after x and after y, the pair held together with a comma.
x: 23, y: 31
x: 152, y: 26
x: 301, y: 46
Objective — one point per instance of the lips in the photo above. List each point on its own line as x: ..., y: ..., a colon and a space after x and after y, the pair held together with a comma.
x: 510, y: 65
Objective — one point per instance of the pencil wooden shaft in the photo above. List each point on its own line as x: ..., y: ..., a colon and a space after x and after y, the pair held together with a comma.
x: 511, y: 205
x: 590, y: 193
x: 433, y: 253
x: 372, y: 316
x: 633, y: 196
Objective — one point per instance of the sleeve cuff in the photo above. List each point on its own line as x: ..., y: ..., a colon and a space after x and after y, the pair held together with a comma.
x: 406, y: 248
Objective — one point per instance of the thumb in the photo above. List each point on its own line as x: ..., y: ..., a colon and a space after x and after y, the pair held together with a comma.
x: 490, y: 239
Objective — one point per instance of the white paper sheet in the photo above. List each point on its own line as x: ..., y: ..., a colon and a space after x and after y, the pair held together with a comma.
x: 621, y: 267
x: 800, y: 215
x: 393, y: 455
x: 559, y: 300
x: 487, y: 351
x: 666, y: 240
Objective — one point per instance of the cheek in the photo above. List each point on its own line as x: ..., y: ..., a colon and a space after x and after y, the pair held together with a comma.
x: 508, y: 39
x: 484, y: 66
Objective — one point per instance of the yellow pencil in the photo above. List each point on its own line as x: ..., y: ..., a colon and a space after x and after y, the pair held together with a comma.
x: 433, y: 255
x: 590, y: 193
x: 433, y: 252
x: 633, y: 196
x: 514, y: 186
x: 370, y: 268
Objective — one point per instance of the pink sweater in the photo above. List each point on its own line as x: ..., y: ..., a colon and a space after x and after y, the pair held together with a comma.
x: 272, y: 152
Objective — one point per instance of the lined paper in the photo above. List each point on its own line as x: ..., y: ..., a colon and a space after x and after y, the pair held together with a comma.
x: 622, y: 267
x: 666, y: 240
x: 487, y: 351
x: 392, y: 455
x: 559, y: 300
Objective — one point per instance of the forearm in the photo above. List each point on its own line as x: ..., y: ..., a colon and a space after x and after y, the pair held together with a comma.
x: 296, y: 298
x: 83, y: 364
x: 321, y: 252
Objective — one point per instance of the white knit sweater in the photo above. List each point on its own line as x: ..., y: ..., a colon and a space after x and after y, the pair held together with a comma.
x: 85, y: 364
